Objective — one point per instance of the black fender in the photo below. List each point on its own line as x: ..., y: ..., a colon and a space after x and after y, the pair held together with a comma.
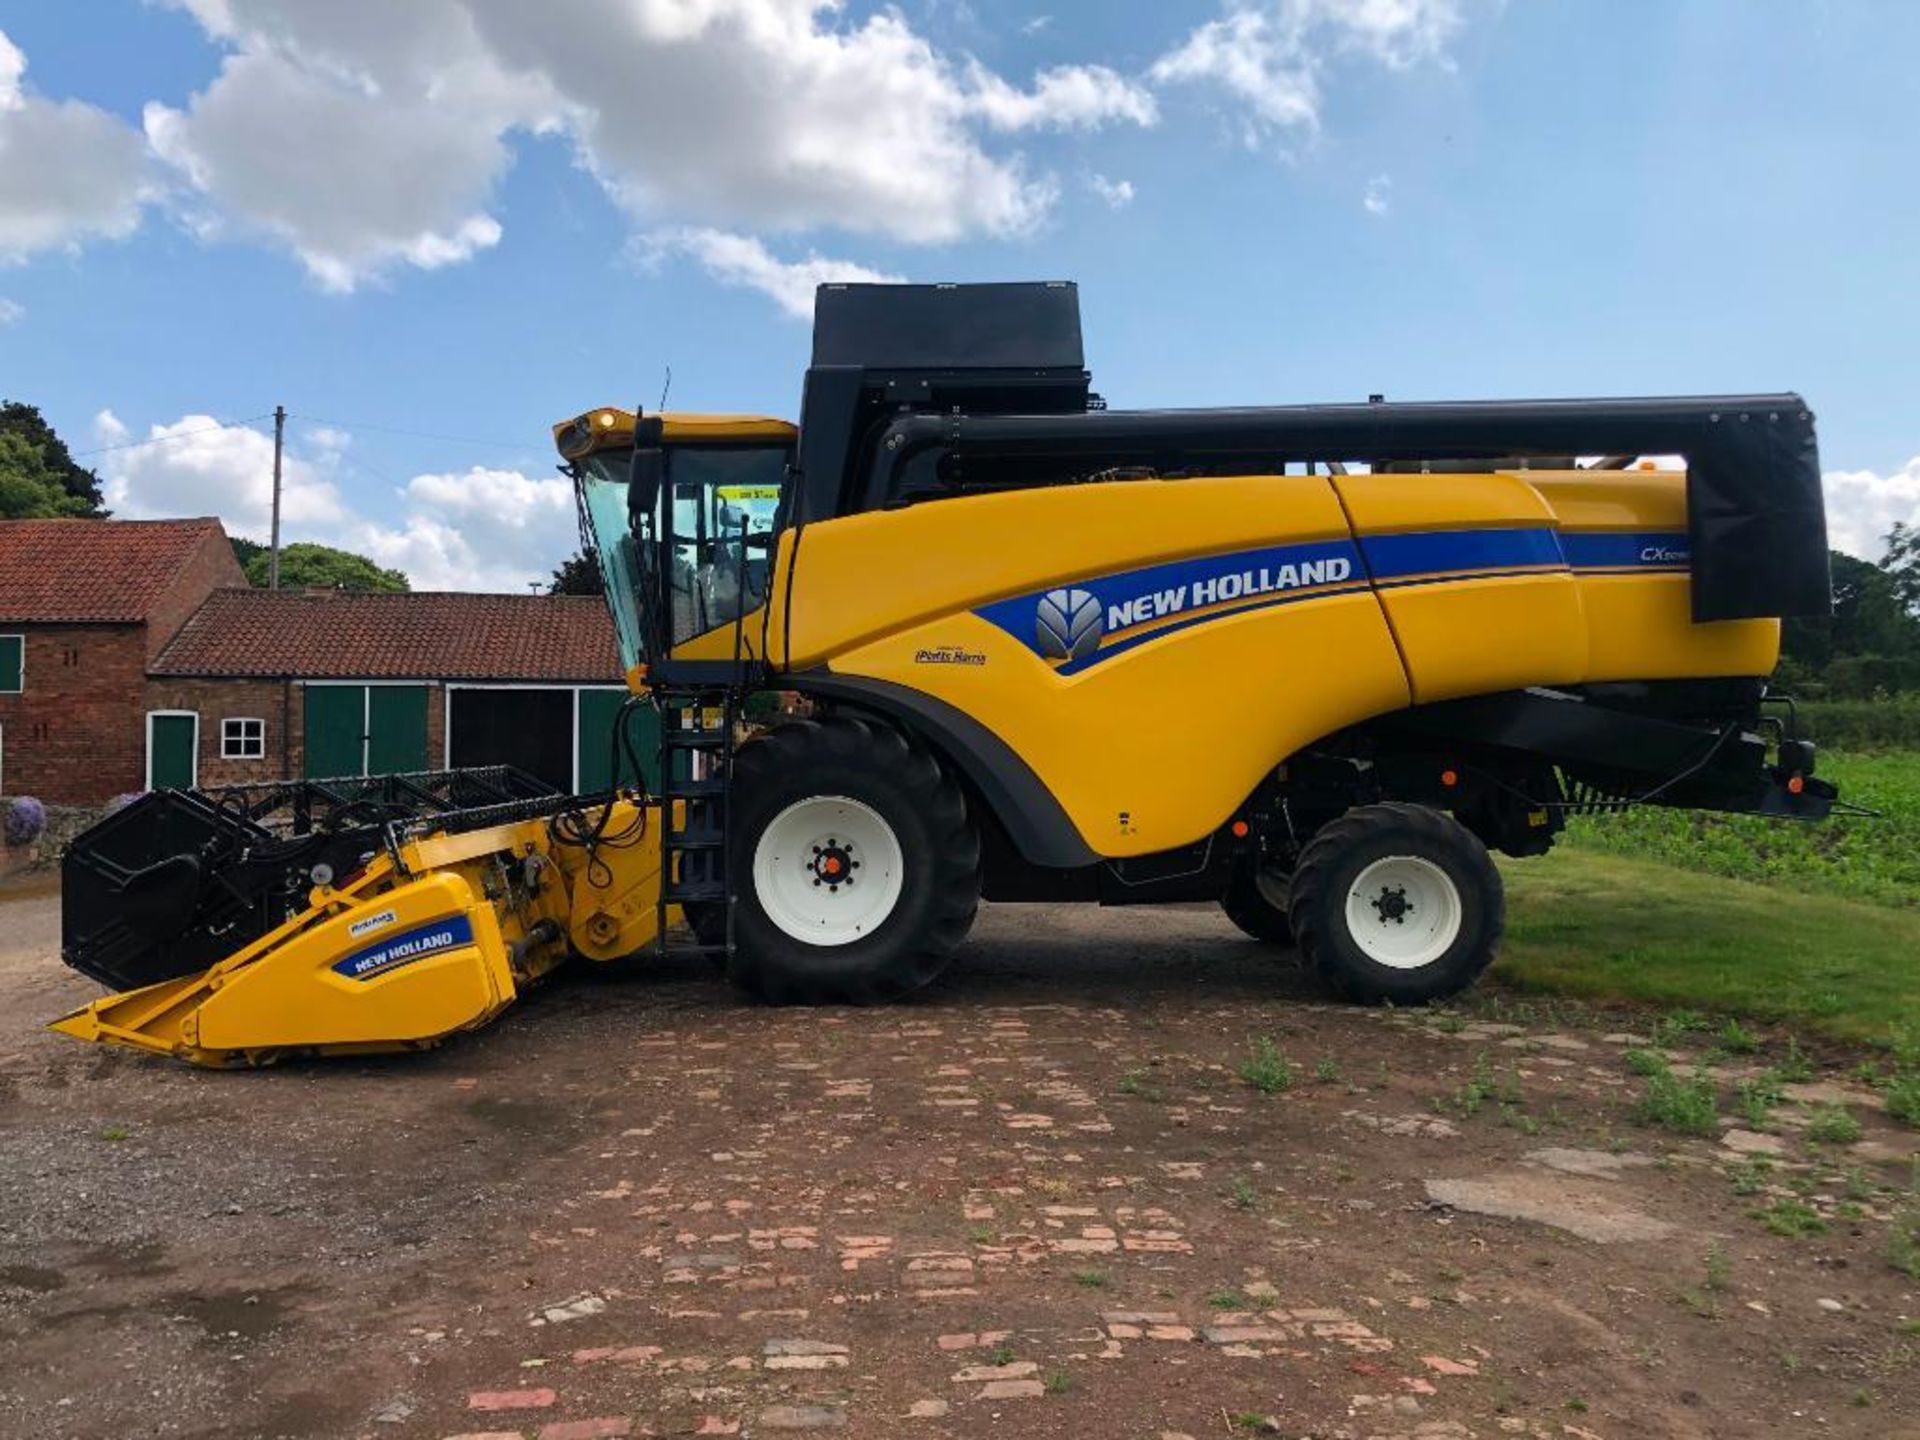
x: 1032, y: 817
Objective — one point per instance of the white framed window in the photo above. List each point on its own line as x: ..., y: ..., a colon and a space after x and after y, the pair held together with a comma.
x: 243, y: 739
x: 13, y: 664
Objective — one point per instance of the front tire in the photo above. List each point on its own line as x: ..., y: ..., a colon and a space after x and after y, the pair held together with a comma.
x: 1397, y: 903
x: 856, y: 867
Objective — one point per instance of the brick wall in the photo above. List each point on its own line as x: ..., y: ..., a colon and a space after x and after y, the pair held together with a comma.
x: 282, y: 705
x: 77, y: 734
x: 271, y: 701
x: 212, y: 567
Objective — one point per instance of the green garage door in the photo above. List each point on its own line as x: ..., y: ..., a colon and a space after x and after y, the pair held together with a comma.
x: 171, y: 742
x: 598, y: 709
x: 396, y: 729
x: 365, y: 730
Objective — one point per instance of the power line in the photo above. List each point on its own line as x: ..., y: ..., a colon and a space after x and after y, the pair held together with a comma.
x: 175, y: 435
x: 417, y: 434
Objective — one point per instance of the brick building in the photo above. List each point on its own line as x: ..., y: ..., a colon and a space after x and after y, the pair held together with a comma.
x: 323, y: 683
x: 85, y: 607
x: 133, y: 656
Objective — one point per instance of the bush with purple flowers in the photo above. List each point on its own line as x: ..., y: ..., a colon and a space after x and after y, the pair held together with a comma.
x: 26, y: 819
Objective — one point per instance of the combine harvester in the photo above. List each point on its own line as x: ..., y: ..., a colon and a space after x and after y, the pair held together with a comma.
x: 1050, y: 652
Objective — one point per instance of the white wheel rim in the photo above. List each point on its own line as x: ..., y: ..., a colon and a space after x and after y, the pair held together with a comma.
x: 1403, y: 912
x: 827, y: 870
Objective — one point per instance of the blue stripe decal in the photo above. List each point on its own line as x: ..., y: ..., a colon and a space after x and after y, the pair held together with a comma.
x: 1631, y: 550
x: 1079, y: 625
x: 433, y: 938
x: 1396, y: 558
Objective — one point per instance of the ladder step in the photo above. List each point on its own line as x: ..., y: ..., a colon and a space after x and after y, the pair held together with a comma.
x: 675, y: 788
x: 692, y: 950
x: 695, y: 840
x: 696, y: 739
x: 683, y: 890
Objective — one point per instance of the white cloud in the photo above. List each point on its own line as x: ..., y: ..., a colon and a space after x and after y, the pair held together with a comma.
x: 12, y: 312
x: 368, y: 137
x: 742, y: 260
x: 475, y: 530
x: 479, y: 529
x: 1862, y: 506
x: 1117, y: 193
x: 202, y: 466
x: 1067, y: 97
x: 68, y: 171
x: 354, y: 180
x: 1378, y: 199
x: 1035, y: 25
x: 1268, y: 55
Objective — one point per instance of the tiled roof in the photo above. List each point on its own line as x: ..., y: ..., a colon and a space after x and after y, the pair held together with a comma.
x: 328, y: 635
x: 88, y: 571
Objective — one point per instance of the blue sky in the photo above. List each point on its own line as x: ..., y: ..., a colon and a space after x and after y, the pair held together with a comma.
x: 431, y: 230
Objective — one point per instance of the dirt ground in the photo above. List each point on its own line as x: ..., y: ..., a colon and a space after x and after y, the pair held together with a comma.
x: 1039, y: 1202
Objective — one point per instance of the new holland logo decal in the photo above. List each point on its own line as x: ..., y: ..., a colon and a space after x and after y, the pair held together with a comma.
x: 1074, y: 626
x: 1068, y: 624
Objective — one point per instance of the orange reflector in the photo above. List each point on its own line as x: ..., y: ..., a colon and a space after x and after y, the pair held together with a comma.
x: 1239, y: 828
x: 1796, y: 784
x: 1449, y: 778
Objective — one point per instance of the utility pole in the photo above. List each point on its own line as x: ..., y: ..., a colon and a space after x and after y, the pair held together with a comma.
x: 279, y: 449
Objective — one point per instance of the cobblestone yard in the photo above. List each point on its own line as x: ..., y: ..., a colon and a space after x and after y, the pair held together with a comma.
x: 1068, y: 1193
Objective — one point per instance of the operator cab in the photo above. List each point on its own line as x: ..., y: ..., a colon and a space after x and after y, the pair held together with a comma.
x: 709, y: 486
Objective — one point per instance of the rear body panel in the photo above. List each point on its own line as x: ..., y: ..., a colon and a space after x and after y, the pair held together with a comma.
x: 1083, y: 624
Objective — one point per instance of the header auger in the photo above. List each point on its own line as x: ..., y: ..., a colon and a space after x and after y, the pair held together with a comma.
x: 1311, y: 662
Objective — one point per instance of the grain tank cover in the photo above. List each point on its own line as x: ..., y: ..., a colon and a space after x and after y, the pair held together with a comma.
x: 1025, y: 326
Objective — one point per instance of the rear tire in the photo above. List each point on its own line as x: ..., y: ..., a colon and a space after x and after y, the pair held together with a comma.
x: 1397, y: 903
x: 1256, y: 901
x: 856, y: 867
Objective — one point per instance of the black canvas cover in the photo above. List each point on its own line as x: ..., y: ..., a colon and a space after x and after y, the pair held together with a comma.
x: 1024, y: 326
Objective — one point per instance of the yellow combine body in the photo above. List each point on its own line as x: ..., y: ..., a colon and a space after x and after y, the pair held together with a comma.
x: 1312, y: 662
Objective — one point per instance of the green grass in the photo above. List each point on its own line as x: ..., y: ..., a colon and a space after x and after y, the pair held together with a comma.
x: 1903, y: 1099
x: 1832, y: 1125
x: 1791, y: 1218
x: 1606, y: 927
x: 1092, y: 1279
x: 1687, y: 1107
x: 1266, y: 1069
x: 1872, y: 859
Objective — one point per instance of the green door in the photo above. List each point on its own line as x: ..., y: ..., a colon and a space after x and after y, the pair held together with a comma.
x: 396, y: 729
x: 171, y: 742
x: 598, y: 710
x: 336, y: 720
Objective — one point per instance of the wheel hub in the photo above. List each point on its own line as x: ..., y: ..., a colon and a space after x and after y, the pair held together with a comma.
x: 832, y: 864
x: 1392, y: 903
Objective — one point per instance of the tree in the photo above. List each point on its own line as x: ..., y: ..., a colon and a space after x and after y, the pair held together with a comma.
x: 317, y: 565
x: 39, y: 479
x: 1902, y: 563
x: 579, y: 574
x: 1871, y: 641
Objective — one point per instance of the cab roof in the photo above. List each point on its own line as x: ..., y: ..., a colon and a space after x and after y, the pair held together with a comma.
x: 611, y: 428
